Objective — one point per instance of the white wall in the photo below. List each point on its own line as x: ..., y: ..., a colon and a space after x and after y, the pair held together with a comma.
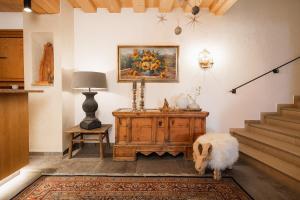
x: 252, y: 38
x: 67, y: 64
x: 50, y: 112
x: 45, y: 118
x: 11, y: 20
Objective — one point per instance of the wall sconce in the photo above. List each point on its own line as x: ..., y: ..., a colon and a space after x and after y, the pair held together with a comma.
x: 205, y: 59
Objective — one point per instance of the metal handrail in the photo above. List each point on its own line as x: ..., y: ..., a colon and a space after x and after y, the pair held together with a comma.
x: 275, y: 71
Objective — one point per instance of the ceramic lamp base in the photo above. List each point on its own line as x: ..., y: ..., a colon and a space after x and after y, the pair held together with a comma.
x: 90, y: 124
x: 90, y: 107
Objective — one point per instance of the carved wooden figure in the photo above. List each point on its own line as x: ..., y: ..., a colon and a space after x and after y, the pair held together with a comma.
x: 165, y: 107
x: 46, y: 73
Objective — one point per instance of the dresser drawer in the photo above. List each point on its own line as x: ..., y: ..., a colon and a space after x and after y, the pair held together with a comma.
x: 179, y: 122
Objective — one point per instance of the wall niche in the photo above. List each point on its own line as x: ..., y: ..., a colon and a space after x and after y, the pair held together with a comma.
x: 42, y: 59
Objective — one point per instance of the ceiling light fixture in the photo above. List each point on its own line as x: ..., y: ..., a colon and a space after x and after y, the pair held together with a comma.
x: 27, y: 6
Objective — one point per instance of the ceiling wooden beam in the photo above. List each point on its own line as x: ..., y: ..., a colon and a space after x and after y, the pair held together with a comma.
x: 114, y: 6
x: 152, y: 3
x: 225, y: 7
x: 37, y: 9
x: 186, y: 6
x: 87, y: 6
x: 50, y: 6
x: 98, y: 3
x: 189, y: 4
x: 139, y: 5
x: 206, y: 3
x: 216, y: 5
x: 74, y: 3
x: 11, y: 6
x: 166, y: 5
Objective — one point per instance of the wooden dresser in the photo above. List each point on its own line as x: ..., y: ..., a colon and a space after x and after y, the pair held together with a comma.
x: 155, y: 131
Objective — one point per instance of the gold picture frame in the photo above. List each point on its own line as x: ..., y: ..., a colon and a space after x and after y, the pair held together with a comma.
x: 154, y: 63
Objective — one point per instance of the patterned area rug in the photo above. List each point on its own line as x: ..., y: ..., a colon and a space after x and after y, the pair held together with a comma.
x: 102, y: 187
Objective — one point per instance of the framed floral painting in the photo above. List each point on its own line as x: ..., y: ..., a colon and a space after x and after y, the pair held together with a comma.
x: 153, y: 63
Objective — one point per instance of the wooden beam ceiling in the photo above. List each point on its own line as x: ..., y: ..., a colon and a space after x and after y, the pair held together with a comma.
x: 87, y: 6
x: 139, y: 5
x: 152, y: 3
x: 11, y: 6
x: 38, y: 6
x: 114, y: 6
x: 74, y: 3
x: 206, y: 3
x: 225, y: 7
x: 217, y: 7
x: 37, y: 9
x: 49, y: 6
x: 166, y: 5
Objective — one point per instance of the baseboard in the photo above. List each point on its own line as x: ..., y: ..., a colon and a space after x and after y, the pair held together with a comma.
x: 278, y: 176
x: 8, y: 178
x: 45, y: 153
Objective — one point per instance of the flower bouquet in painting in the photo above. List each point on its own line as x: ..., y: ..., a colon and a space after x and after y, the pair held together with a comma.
x: 150, y: 63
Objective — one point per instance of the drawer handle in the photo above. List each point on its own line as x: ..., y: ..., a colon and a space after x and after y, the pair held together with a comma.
x: 160, y: 123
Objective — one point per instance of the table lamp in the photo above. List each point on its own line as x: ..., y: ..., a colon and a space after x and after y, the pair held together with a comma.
x: 90, y: 80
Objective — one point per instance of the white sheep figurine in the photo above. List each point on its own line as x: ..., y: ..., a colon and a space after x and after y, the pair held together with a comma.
x: 217, y: 151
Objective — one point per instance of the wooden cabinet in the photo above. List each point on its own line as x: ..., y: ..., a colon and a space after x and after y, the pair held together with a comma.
x: 14, y: 130
x: 14, y: 147
x: 11, y: 58
x: 154, y: 131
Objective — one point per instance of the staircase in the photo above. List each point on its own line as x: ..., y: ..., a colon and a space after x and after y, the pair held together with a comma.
x: 274, y: 140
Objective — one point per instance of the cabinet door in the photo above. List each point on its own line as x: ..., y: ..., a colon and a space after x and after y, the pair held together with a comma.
x: 179, y: 130
x: 142, y: 131
x: 11, y: 59
x: 122, y: 130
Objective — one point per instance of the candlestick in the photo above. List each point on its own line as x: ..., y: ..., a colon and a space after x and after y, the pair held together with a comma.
x: 143, y: 82
x: 134, y: 85
x: 134, y: 100
x: 142, y: 103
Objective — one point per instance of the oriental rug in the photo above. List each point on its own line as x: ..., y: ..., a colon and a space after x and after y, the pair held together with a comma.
x: 107, y: 187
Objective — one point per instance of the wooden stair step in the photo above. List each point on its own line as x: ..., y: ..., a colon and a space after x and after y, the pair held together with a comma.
x: 283, y: 121
x: 297, y: 101
x: 285, y: 135
x: 276, y: 163
x: 284, y: 118
x: 278, y: 129
x: 280, y: 145
x: 290, y: 111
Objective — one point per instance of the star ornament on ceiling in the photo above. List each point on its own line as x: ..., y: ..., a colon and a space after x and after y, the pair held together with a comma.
x: 161, y: 18
x: 193, y: 20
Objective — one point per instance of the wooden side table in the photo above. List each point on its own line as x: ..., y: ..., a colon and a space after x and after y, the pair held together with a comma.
x: 76, y: 132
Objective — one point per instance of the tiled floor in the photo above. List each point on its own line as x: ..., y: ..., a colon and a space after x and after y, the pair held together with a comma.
x: 256, y: 183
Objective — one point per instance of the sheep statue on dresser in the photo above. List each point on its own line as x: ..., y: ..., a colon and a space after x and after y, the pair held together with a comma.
x: 217, y: 151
